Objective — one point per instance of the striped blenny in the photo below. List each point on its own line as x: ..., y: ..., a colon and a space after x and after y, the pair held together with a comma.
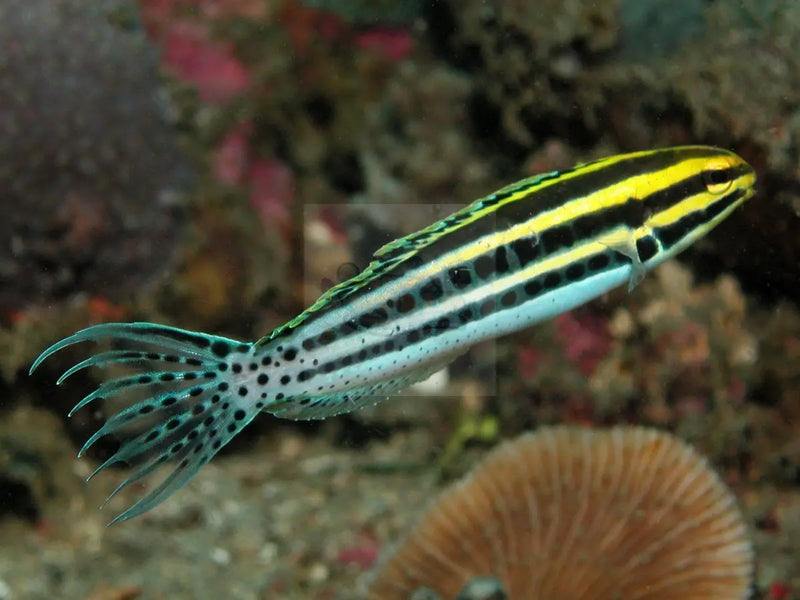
x: 527, y: 252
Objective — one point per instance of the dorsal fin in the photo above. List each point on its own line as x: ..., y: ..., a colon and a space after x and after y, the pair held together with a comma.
x: 397, y: 252
x: 403, y: 248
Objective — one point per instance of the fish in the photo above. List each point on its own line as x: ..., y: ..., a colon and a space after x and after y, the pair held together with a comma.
x: 525, y: 253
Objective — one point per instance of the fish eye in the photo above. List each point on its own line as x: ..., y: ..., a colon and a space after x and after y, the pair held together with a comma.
x: 717, y: 178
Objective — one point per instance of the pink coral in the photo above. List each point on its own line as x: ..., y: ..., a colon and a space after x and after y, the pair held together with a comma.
x: 271, y: 190
x: 304, y: 24
x: 210, y: 66
x: 155, y: 14
x: 363, y: 555
x: 394, y: 44
x: 253, y: 9
x: 586, y: 340
x: 529, y: 360
x: 270, y: 181
x: 233, y: 156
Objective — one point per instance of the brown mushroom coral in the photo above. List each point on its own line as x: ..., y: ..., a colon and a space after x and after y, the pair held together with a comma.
x: 626, y: 513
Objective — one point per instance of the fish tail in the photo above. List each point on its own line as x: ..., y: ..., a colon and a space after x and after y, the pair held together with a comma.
x: 183, y: 404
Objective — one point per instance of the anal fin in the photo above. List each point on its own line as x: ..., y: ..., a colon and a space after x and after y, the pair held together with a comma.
x: 335, y: 403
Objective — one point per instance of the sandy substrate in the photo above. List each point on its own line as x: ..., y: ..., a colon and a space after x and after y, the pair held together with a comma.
x: 293, y: 517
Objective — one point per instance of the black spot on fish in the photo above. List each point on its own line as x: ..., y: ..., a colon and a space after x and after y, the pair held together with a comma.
x: 460, y: 277
x: 199, y: 341
x: 509, y: 299
x: 533, y: 287
x: 220, y: 348
x: 575, y: 272
x: 406, y: 303
x: 484, y: 266
x: 348, y: 327
x: 598, y: 262
x: 646, y: 247
x: 526, y: 249
x: 431, y: 291
x: 552, y: 280
x: 501, y: 260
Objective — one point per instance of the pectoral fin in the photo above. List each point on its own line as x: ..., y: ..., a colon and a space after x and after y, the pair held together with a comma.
x: 624, y: 242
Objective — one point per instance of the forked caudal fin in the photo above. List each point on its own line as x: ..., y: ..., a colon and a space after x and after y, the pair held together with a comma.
x: 188, y: 407
x: 191, y: 396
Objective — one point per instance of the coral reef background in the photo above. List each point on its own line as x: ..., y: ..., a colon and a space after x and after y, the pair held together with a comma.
x: 90, y: 171
x: 216, y: 164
